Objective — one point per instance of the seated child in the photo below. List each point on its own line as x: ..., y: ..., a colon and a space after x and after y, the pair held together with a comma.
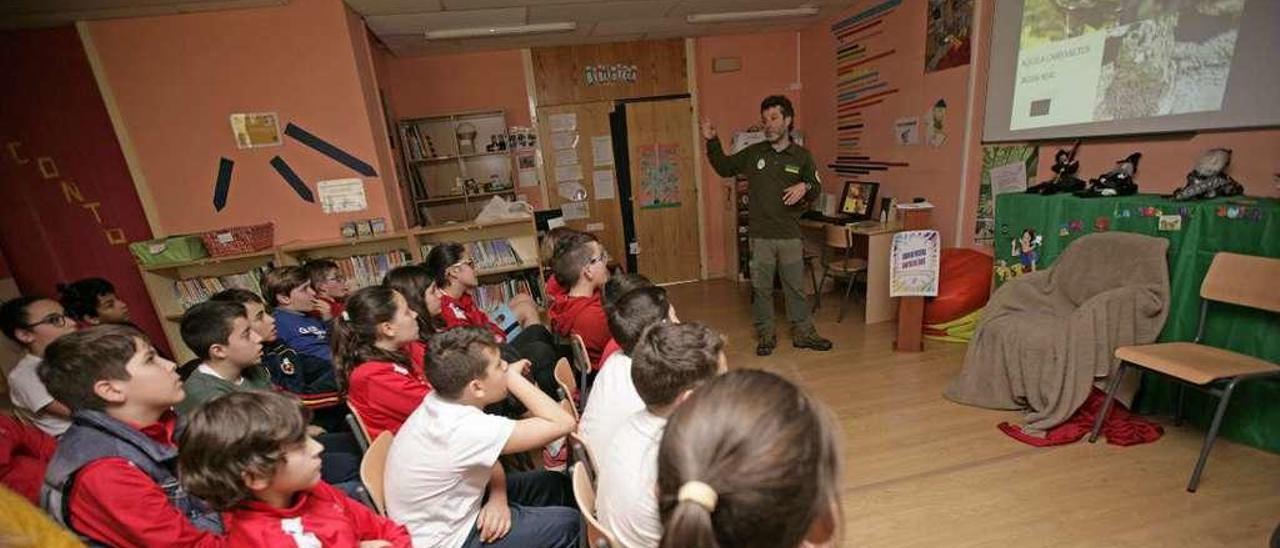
x: 547, y: 251
x: 25, y: 451
x: 613, y: 395
x: 34, y: 323
x: 753, y: 442
x: 668, y: 363
x: 382, y: 386
x: 248, y: 455
x: 93, y: 301
x: 218, y: 333
x: 292, y: 298
x: 617, y: 286
x: 413, y: 282
x: 113, y: 479
x: 330, y: 286
x: 308, y: 378
x: 454, y: 272
x: 582, y: 267
x: 444, y: 481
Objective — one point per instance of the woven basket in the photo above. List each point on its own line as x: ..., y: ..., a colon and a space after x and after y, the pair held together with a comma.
x: 239, y: 240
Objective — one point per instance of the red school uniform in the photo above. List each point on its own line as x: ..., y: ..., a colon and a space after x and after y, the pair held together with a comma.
x: 320, y: 516
x: 585, y: 317
x: 463, y: 312
x: 384, y: 394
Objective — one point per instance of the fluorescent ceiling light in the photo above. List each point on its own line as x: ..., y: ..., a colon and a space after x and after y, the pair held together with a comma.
x: 732, y: 16
x: 480, y: 32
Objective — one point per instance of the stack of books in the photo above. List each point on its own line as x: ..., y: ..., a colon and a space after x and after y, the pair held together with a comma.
x: 489, y: 254
x: 366, y: 270
x: 490, y: 297
x: 193, y: 291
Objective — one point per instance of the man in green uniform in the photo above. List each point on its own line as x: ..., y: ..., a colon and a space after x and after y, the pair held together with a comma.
x: 782, y: 179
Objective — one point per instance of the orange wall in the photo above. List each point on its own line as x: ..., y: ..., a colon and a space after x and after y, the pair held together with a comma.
x: 361, y: 46
x: 177, y: 78
x: 731, y: 100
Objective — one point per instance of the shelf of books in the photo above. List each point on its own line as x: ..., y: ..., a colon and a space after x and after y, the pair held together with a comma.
x: 506, y: 255
x: 176, y: 287
x: 363, y: 261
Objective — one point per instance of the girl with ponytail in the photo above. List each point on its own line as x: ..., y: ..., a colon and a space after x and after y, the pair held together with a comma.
x: 420, y: 292
x: 381, y: 384
x: 749, y: 460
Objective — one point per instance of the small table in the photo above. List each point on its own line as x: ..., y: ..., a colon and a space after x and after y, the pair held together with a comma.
x: 874, y: 243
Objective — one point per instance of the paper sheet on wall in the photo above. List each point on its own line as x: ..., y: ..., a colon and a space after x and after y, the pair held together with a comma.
x: 1009, y: 178
x: 528, y: 178
x: 342, y: 195
x: 906, y: 131
x: 575, y: 210
x: 564, y: 140
x: 602, y: 150
x: 602, y: 180
x: 564, y: 122
x: 567, y: 157
x: 569, y: 173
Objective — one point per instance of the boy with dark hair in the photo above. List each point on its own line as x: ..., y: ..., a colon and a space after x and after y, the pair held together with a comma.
x: 330, y: 286
x: 34, y: 323
x: 445, y: 456
x: 668, y: 362
x: 93, y: 301
x: 291, y: 296
x: 307, y: 377
x: 582, y: 267
x: 248, y: 454
x: 219, y: 335
x: 113, y: 479
x: 613, y: 396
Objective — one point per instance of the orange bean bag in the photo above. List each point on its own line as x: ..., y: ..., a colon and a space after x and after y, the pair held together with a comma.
x: 964, y: 285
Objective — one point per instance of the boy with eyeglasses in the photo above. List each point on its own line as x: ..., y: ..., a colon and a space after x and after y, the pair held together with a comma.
x: 582, y: 266
x: 330, y: 286
x: 35, y: 322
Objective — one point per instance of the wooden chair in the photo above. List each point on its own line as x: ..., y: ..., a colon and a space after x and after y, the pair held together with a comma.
x: 1242, y: 280
x: 597, y: 536
x: 358, y: 431
x: 840, y: 262
x: 581, y: 361
x: 582, y: 454
x: 568, y: 386
x: 373, y: 469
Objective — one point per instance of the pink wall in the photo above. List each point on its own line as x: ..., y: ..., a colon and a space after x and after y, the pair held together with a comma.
x: 362, y: 47
x: 176, y: 79
x: 731, y: 100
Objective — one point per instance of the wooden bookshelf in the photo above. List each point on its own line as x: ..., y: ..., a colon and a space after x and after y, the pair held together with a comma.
x: 522, y: 234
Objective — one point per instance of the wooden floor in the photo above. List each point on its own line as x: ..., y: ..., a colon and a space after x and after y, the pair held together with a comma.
x: 923, y: 471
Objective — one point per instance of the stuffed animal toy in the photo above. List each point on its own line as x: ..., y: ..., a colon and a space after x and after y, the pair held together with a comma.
x: 1209, y: 178
x: 1117, y: 182
x: 1064, y: 178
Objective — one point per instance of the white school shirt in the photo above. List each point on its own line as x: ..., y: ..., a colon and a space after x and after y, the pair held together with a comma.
x: 627, y: 473
x: 438, y: 469
x: 612, y: 401
x: 29, y: 394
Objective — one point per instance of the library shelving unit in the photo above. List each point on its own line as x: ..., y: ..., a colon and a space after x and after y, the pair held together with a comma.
x: 364, y: 261
x: 506, y: 254
x: 175, y: 287
x: 438, y: 156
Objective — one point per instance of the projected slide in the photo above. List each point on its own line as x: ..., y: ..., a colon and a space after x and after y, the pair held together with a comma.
x: 1083, y: 61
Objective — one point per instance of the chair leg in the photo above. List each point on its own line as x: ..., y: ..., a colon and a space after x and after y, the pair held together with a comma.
x: 817, y: 290
x: 1112, y: 385
x: 1177, y: 405
x: 848, y: 288
x: 817, y: 303
x: 1211, y: 435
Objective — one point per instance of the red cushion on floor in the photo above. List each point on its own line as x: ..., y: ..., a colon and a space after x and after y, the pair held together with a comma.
x: 964, y: 285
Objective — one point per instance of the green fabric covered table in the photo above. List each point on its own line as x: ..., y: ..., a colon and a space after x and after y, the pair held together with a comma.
x: 1243, y: 225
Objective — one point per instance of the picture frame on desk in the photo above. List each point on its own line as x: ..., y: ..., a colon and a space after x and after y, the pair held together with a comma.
x: 858, y: 200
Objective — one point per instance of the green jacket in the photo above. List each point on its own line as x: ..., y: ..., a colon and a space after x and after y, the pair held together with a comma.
x: 202, y: 387
x: 769, y: 173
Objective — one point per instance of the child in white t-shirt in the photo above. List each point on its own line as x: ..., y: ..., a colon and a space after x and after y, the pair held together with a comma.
x: 34, y: 323
x: 444, y: 481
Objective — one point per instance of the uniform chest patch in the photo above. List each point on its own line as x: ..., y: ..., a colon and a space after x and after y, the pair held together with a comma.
x: 457, y: 311
x: 792, y: 169
x: 760, y: 164
x: 286, y: 366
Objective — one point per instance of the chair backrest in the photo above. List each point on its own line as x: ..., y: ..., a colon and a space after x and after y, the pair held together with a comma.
x: 373, y: 468
x: 838, y: 236
x: 586, y: 495
x: 1245, y: 280
x: 358, y: 431
x: 568, y: 385
x: 582, y: 454
x: 582, y: 362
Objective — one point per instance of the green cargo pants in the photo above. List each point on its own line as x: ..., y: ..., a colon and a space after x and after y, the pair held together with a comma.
x: 786, y: 257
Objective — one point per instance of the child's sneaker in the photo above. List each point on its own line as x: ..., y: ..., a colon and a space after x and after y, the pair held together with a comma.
x: 555, y: 456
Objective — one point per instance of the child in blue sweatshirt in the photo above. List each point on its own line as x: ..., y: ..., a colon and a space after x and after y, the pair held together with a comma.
x: 289, y: 289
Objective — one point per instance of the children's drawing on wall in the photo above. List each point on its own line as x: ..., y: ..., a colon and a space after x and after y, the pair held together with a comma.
x: 659, y: 176
x: 1004, y: 169
x: 947, y: 34
x: 935, y: 133
x: 906, y: 131
x: 1024, y: 248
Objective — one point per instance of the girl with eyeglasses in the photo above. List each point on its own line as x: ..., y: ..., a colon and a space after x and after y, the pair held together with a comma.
x: 34, y: 323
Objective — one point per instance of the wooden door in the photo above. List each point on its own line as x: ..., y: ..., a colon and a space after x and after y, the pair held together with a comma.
x: 663, y: 193
x: 591, y: 124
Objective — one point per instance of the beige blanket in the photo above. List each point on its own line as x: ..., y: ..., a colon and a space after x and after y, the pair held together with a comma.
x: 1045, y: 337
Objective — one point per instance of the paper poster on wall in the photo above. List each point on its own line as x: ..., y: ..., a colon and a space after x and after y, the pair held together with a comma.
x: 602, y: 180
x: 913, y: 264
x: 572, y: 191
x: 947, y: 34
x: 1004, y: 169
x: 255, y: 129
x: 906, y: 131
x: 528, y: 178
x: 602, y: 150
x: 659, y: 176
x: 575, y: 210
x: 567, y: 121
x: 1008, y: 178
x: 342, y: 195
x: 567, y: 157
x: 935, y: 133
x: 564, y: 140
x: 569, y: 173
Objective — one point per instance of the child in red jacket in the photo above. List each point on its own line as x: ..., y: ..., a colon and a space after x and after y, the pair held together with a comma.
x: 582, y: 266
x: 248, y: 454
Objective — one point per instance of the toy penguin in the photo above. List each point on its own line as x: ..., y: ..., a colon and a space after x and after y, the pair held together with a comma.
x: 1064, y: 179
x: 1209, y: 178
x: 1117, y: 182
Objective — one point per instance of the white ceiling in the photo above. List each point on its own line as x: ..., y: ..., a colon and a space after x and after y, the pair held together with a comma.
x: 49, y: 13
x: 400, y: 24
